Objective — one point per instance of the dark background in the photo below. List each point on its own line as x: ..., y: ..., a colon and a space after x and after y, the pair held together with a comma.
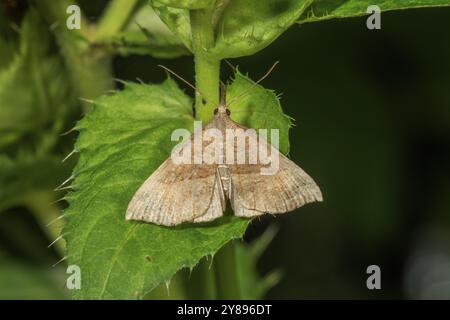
x: 372, y: 111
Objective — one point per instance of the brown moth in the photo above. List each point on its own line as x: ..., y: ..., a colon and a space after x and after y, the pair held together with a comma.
x: 198, y: 191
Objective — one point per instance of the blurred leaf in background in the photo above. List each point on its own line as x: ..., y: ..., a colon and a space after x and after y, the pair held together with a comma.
x: 35, y: 95
x: 37, y: 103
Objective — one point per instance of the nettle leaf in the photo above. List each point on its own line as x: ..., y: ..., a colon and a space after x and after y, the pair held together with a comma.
x: 329, y: 9
x: 188, y: 4
x: 122, y: 141
x: 242, y: 27
x: 259, y: 108
x: 247, y: 27
x: 148, y: 35
x: 45, y: 100
x: 177, y: 20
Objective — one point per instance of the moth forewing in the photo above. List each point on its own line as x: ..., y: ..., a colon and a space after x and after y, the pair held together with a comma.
x: 216, y: 207
x: 267, y: 188
x: 175, y: 193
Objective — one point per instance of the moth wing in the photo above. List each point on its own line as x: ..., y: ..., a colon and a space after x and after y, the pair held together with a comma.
x: 254, y: 194
x: 284, y: 190
x: 177, y: 193
x: 217, y: 205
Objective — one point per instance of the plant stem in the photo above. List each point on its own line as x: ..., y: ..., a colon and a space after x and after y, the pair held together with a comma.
x: 115, y: 18
x: 202, y: 281
x: 225, y: 265
x: 207, y: 76
x: 207, y: 67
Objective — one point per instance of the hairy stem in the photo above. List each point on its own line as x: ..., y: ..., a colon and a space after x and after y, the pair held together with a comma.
x: 222, y: 276
x: 207, y: 68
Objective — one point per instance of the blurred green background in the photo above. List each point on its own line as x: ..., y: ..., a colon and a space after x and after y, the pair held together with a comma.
x: 372, y: 111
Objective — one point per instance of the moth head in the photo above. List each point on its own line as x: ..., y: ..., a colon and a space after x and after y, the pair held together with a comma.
x: 221, y: 110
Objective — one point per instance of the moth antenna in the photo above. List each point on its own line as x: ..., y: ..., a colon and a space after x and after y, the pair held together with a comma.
x: 182, y: 79
x: 178, y: 76
x: 256, y: 83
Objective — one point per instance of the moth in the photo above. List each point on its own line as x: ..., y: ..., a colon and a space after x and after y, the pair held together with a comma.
x: 199, y: 191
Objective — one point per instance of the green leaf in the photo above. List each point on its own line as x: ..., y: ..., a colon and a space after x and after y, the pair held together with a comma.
x: 147, y: 35
x: 241, y: 27
x: 259, y: 108
x: 177, y: 20
x: 329, y: 9
x: 247, y: 27
x: 35, y: 95
x: 187, y: 4
x: 122, y: 141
